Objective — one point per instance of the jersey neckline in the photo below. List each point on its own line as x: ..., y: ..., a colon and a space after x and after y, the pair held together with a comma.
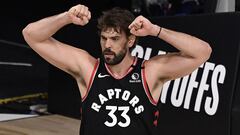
x: 128, y: 71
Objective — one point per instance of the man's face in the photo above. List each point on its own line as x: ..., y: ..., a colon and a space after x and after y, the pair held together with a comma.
x: 114, y: 46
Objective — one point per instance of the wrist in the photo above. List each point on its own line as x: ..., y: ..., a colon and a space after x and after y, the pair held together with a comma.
x: 159, y: 31
x: 65, y: 18
x: 156, y: 30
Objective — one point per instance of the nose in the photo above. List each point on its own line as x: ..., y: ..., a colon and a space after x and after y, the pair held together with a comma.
x: 108, y: 43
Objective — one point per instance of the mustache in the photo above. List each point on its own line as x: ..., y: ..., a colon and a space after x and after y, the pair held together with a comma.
x: 108, y: 51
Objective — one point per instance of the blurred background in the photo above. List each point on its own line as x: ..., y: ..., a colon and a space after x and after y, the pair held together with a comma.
x: 29, y: 85
x: 24, y: 76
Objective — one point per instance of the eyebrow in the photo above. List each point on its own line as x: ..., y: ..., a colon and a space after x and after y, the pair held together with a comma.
x: 110, y: 36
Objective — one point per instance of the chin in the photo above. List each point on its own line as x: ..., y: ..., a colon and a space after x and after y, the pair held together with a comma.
x: 111, y: 62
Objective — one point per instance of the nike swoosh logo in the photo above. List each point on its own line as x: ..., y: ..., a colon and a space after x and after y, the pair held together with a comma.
x: 102, y: 76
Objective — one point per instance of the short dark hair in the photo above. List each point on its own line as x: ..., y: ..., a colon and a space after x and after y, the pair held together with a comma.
x: 117, y: 18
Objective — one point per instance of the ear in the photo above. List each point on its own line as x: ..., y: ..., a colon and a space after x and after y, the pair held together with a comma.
x: 131, y: 40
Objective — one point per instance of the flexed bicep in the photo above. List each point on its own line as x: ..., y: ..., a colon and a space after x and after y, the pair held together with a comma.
x: 65, y: 57
x: 172, y: 66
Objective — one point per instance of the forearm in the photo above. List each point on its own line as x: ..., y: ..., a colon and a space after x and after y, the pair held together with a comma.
x: 188, y: 45
x: 43, y: 29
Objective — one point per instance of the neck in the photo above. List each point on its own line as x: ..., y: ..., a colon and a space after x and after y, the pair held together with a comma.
x: 120, y: 69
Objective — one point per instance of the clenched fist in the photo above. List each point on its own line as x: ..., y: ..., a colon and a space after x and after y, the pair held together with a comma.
x: 79, y: 14
x: 141, y: 26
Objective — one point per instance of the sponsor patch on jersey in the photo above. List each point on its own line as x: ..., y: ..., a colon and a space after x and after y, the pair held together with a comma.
x: 135, y: 78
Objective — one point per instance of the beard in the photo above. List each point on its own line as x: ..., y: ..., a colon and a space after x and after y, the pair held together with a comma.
x: 115, y: 58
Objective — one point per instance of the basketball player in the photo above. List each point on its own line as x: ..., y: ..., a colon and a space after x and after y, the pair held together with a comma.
x: 119, y: 92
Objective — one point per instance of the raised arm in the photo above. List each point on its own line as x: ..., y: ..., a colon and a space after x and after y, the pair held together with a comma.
x: 72, y: 60
x: 39, y: 34
x: 192, y: 51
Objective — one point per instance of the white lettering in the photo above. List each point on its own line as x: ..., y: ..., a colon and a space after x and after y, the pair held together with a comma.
x: 148, y: 53
x: 178, y: 100
x: 184, y: 89
x: 125, y: 95
x: 203, y: 85
x: 161, y: 52
x: 110, y: 93
x: 102, y: 98
x: 139, y: 109
x: 191, y: 85
x: 165, y: 91
x: 117, y: 93
x: 134, y: 101
x: 219, y: 70
x: 138, y: 51
x: 95, y: 107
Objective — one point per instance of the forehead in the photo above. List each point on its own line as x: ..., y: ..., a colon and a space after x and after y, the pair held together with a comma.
x: 112, y: 32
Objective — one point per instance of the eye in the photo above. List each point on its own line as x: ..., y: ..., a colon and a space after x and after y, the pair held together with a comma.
x: 115, y: 38
x: 103, y: 38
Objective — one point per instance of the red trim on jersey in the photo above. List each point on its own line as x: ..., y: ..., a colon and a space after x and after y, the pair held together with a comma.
x: 91, y: 78
x: 81, y: 113
x: 146, y: 88
x: 128, y: 71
